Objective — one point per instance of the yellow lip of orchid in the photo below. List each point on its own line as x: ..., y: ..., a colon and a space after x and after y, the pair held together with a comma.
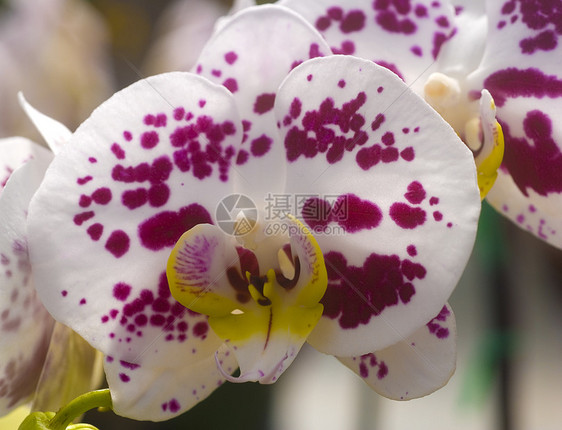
x: 264, y: 317
x: 490, y: 156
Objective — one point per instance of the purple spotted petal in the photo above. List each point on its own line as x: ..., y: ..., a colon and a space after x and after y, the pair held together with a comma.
x: 414, y: 367
x: 522, y: 70
x: 251, y: 55
x: 403, y: 36
x: 390, y: 192
x: 149, y: 164
x: 145, y: 393
x: 25, y: 325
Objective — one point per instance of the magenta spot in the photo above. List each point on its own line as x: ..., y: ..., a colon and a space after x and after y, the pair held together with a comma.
x: 379, y: 119
x: 80, y: 218
x: 160, y: 170
x: 124, y: 377
x: 149, y: 139
x: 390, y: 22
x: 316, y: 213
x: 420, y: 11
x: 388, y: 138
x: 174, y: 406
x: 128, y: 136
x: 64, y: 293
x: 164, y: 229
x: 406, y: 216
x: 295, y: 109
x: 531, y: 82
x: 84, y: 180
x: 323, y: 23
x: 134, y: 198
x: 433, y: 201
x: 442, y: 21
x: 335, y: 13
x: 353, y: 21
x: 544, y: 41
x: 416, y: 50
x: 355, y: 294
x: 179, y: 113
x: 534, y: 161
x: 118, y: 243
x: 309, y: 78
x: 121, y: 291
x: 82, y: 301
x: 341, y: 83
x: 149, y: 119
x: 389, y: 155
x: 355, y: 214
x: 92, y: 160
x: 408, y: 154
x: 102, y: 196
x: 84, y: 201
x: 118, y: 151
x: 347, y: 48
x: 416, y: 193
x: 264, y: 103
x: 261, y: 145
x: 217, y: 73
x: 392, y: 67
x: 231, y: 85
x: 95, y: 231
x: 383, y: 370
x: 242, y: 157
x: 158, y: 195
x: 230, y: 57
x: 314, y: 51
x: 438, y: 216
x: 161, y: 120
x: 412, y: 251
x: 200, y: 329
x: 368, y: 157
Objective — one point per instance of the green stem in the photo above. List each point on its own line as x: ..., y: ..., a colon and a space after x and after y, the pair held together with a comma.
x: 79, y: 406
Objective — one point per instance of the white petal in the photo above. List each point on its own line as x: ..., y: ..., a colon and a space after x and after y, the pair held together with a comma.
x: 150, y: 163
x: 401, y: 36
x: 160, y: 393
x: 414, y: 367
x: 251, y: 55
x: 521, y: 69
x: 401, y: 192
x: 25, y: 326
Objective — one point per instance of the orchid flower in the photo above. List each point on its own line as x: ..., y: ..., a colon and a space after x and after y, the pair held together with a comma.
x: 468, y: 58
x: 150, y: 234
x: 40, y: 361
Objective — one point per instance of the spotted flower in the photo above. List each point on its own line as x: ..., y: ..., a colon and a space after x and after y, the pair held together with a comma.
x: 468, y: 58
x: 41, y: 362
x: 202, y: 222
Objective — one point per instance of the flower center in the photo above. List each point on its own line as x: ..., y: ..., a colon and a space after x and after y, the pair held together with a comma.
x: 261, y: 292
